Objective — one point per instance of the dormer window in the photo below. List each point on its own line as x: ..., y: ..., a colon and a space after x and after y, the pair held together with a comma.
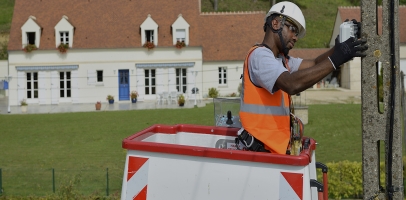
x: 180, y: 30
x: 64, y: 32
x: 31, y: 33
x: 149, y: 35
x: 64, y: 37
x: 149, y: 31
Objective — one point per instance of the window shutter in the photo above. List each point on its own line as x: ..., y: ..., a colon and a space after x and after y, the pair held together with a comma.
x: 91, y: 77
x: 172, y: 79
x: 140, y: 83
x: 160, y: 80
x: 190, y: 82
x: 41, y: 87
x: 54, y: 87
x: 21, y: 85
x: 75, y: 86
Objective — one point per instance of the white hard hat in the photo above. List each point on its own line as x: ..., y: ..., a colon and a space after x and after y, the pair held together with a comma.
x: 291, y: 11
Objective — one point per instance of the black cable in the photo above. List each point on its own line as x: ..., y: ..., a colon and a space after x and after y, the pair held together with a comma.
x: 389, y: 185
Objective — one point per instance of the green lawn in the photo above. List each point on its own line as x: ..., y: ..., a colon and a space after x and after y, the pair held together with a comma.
x: 6, y: 13
x: 81, y: 146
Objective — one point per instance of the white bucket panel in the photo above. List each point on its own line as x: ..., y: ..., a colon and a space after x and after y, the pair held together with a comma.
x: 166, y: 162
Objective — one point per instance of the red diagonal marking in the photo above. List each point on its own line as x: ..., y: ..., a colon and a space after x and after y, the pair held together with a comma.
x: 142, y: 195
x: 134, y: 164
x: 295, y: 181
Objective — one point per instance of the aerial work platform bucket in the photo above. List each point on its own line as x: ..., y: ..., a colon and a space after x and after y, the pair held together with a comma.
x: 202, y: 162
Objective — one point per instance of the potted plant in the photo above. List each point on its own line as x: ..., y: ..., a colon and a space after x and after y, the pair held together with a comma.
x: 110, y: 98
x: 63, y: 48
x: 98, y: 105
x: 134, y: 95
x: 149, y: 45
x: 181, y: 100
x: 24, y: 105
x: 180, y: 44
x: 29, y: 47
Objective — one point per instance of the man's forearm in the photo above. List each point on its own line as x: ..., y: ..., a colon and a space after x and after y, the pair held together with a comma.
x: 323, y: 56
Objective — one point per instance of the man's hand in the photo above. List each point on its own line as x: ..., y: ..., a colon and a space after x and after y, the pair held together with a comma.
x: 347, y: 50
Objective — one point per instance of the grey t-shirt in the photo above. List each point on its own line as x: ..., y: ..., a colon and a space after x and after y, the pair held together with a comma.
x: 264, y: 68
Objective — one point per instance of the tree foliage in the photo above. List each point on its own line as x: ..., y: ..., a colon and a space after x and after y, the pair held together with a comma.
x: 3, y: 51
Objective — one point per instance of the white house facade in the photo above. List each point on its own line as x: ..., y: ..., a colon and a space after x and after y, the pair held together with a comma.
x: 106, y: 55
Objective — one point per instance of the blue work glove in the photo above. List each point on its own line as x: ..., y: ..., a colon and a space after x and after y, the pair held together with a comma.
x: 347, y: 50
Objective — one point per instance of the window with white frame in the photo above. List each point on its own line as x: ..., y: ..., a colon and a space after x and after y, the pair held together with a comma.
x: 222, y: 75
x: 64, y: 37
x: 150, y: 82
x: 180, y: 31
x: 65, y: 84
x: 149, y: 35
x: 99, y: 76
x: 30, y: 37
x: 181, y: 81
x: 180, y: 35
x: 32, y: 85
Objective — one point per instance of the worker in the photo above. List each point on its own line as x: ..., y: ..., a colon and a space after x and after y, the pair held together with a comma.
x: 270, y: 76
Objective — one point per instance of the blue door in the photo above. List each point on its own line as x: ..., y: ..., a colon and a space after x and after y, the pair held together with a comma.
x: 123, y: 85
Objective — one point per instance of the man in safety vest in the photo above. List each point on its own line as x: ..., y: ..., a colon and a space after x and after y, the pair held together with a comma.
x: 271, y: 76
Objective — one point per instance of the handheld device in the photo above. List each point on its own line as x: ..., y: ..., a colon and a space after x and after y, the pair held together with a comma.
x: 348, y: 29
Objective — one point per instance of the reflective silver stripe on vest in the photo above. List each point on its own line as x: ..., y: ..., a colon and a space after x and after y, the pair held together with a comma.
x: 266, y: 110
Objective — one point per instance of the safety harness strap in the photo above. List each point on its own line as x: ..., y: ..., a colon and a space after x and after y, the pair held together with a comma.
x: 250, y: 142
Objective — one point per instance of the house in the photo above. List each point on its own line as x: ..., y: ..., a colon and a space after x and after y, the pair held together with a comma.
x: 351, y: 71
x: 106, y: 53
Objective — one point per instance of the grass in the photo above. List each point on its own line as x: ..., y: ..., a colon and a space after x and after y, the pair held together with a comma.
x: 6, y: 13
x: 337, y: 130
x: 81, y: 146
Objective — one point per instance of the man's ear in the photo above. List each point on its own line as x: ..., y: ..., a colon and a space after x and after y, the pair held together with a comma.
x: 275, y: 24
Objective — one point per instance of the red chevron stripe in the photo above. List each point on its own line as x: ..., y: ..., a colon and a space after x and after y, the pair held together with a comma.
x: 134, y: 164
x: 295, y: 181
x: 142, y: 195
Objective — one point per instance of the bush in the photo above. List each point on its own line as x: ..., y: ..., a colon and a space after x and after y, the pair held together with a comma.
x: 213, y: 93
x: 345, y: 179
x: 3, y: 51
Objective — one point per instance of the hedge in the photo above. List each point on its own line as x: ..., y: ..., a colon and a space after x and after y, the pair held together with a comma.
x: 345, y: 179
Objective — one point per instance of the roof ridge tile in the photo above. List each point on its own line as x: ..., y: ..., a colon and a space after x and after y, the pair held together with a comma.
x: 232, y: 13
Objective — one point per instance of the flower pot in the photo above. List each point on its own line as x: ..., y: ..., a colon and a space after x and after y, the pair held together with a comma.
x: 134, y: 100
x: 23, y: 109
x: 111, y: 101
x: 181, y: 104
x: 98, y: 106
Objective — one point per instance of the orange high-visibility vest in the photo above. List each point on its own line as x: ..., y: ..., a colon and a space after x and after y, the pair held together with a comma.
x: 264, y: 115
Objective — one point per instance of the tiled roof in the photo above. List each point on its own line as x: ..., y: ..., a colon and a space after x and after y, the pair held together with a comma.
x: 229, y: 36
x: 307, y: 53
x: 354, y: 12
x: 104, y: 24
x: 116, y: 24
